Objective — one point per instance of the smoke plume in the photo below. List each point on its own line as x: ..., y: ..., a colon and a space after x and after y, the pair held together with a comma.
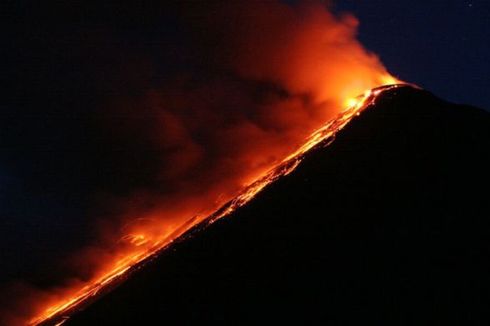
x: 248, y: 82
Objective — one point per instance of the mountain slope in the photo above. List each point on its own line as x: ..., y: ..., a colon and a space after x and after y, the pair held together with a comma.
x: 387, y: 225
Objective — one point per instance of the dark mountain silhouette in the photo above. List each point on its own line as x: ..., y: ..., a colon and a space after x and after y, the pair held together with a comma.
x: 388, y: 225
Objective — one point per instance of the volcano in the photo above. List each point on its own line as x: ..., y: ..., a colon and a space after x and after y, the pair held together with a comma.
x: 386, y: 225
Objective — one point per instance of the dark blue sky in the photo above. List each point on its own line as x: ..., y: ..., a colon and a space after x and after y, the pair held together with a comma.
x: 441, y: 45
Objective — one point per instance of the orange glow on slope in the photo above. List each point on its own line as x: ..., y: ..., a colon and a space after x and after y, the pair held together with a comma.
x: 147, y: 246
x: 350, y: 102
x: 276, y: 79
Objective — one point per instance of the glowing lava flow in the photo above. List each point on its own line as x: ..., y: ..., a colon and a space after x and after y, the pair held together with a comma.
x: 59, y: 313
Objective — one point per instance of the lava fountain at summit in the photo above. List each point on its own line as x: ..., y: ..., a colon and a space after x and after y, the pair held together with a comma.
x: 293, y: 75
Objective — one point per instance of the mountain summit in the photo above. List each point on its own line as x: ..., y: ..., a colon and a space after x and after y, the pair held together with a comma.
x: 387, y: 225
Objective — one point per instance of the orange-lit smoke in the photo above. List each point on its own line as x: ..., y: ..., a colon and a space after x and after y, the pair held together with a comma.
x: 267, y: 74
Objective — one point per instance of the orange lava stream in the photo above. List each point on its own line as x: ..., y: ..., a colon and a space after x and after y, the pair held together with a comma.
x: 58, y: 313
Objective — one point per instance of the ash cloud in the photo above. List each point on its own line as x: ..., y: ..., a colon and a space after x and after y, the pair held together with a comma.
x: 184, y: 123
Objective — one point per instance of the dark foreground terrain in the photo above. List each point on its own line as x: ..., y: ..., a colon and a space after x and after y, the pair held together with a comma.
x: 388, y: 225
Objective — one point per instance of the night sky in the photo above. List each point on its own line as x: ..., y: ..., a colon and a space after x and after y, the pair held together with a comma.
x: 50, y: 161
x: 440, y: 45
